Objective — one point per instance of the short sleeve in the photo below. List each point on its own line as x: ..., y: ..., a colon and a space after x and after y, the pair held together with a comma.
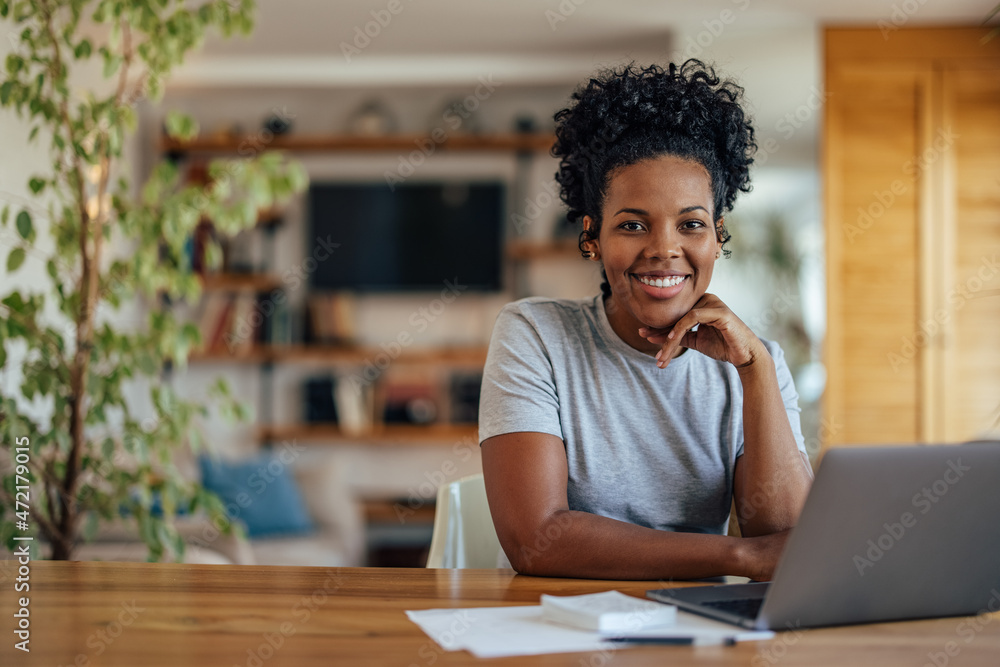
x: 789, y: 396
x: 519, y: 389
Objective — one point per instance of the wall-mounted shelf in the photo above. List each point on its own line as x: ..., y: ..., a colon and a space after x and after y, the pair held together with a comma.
x: 526, y: 142
x: 394, y: 512
x: 345, y: 354
x: 445, y: 435
x: 233, y: 282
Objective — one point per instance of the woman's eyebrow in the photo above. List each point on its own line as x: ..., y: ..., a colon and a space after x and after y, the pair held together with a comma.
x: 633, y: 211
x: 639, y: 211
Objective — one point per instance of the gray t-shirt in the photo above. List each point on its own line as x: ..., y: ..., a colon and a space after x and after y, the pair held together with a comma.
x: 650, y: 446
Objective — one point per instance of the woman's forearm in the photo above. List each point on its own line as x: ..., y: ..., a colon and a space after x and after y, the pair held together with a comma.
x: 578, y: 544
x: 772, y: 477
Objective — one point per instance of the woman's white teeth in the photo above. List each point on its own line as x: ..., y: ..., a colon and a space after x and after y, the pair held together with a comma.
x: 661, y: 282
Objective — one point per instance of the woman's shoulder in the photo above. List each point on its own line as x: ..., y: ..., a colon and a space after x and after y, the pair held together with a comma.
x: 547, y: 319
x: 550, y: 311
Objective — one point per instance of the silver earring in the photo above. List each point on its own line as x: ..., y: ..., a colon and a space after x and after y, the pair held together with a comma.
x: 588, y: 255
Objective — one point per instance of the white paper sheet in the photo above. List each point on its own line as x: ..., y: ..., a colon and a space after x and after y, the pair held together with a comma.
x: 494, y: 632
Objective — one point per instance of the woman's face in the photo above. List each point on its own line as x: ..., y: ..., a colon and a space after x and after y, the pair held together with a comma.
x: 658, y: 244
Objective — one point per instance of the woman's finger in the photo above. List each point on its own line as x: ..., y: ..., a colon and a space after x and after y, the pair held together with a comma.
x: 657, y: 336
x: 675, y: 336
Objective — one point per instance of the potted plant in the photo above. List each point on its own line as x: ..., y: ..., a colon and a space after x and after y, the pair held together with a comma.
x: 77, y: 446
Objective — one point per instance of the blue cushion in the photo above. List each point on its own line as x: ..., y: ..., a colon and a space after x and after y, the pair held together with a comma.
x: 261, y: 492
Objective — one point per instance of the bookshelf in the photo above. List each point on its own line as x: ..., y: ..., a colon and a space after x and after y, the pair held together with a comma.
x: 241, y: 288
x: 277, y: 358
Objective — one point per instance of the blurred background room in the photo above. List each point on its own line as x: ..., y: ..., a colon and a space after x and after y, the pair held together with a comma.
x: 353, y: 321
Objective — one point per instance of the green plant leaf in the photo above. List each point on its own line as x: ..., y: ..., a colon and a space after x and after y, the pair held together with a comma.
x: 178, y: 546
x: 5, y: 215
x: 15, y: 259
x: 6, y: 88
x: 7, y: 534
x: 147, y: 364
x: 82, y: 50
x: 14, y: 64
x: 36, y: 184
x: 24, y: 223
x: 44, y: 383
x: 181, y: 126
x: 90, y: 526
x: 15, y: 302
x: 111, y: 65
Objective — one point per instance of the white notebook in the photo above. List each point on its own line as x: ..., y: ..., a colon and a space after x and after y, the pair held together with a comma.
x: 608, y: 612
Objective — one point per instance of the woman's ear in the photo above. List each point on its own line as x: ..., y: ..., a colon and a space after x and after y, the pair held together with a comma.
x: 720, y: 235
x: 588, y: 240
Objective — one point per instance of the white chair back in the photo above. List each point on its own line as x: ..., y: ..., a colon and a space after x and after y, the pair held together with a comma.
x: 464, y: 536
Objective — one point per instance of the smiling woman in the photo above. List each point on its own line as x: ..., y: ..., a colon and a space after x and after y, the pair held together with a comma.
x: 618, y: 431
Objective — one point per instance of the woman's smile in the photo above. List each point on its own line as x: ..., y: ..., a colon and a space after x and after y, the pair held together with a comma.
x: 659, y: 285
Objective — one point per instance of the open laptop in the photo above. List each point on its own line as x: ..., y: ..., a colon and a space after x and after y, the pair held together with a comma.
x: 887, y: 533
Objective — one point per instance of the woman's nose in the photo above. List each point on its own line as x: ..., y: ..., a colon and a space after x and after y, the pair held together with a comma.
x: 663, y: 243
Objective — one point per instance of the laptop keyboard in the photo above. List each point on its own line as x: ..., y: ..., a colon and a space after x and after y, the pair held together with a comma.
x: 745, y: 607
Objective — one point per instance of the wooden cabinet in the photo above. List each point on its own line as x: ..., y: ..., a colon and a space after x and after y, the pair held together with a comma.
x: 912, y: 206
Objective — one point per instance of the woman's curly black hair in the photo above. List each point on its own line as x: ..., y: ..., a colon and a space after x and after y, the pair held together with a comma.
x: 636, y: 113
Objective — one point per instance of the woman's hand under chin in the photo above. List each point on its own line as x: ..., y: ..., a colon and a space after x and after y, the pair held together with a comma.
x: 720, y: 335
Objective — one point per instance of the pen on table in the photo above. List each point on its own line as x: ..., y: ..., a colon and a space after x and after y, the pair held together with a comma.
x: 675, y: 641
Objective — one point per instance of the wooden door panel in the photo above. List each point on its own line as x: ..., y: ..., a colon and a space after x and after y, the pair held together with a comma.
x: 973, y: 347
x: 911, y: 146
x: 874, y: 222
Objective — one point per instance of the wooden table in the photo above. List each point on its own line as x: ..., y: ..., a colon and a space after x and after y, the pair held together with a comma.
x: 146, y: 615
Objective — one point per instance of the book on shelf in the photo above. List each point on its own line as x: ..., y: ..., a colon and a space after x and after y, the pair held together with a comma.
x: 196, y: 247
x: 354, y: 403
x: 411, y: 399
x: 331, y: 317
x: 242, y: 331
x: 214, y: 322
x: 319, y: 400
x: 235, y: 323
x: 464, y: 388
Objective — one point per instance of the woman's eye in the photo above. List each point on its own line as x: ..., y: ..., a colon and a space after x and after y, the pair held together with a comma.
x: 631, y: 226
x: 693, y: 224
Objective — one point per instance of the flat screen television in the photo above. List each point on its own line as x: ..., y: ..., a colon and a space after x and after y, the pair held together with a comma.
x: 408, y: 238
